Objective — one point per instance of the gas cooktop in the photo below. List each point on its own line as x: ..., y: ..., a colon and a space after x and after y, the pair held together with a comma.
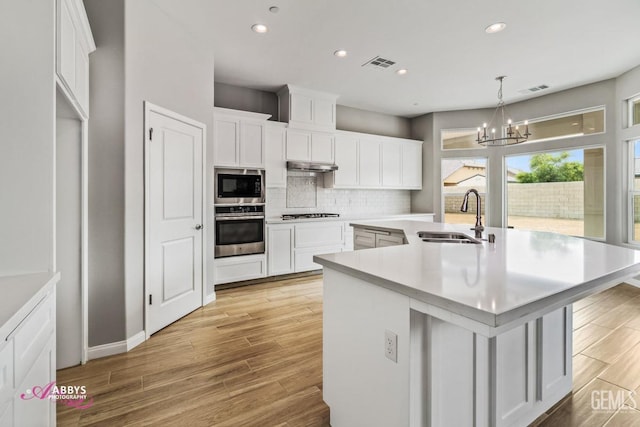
x: 309, y: 215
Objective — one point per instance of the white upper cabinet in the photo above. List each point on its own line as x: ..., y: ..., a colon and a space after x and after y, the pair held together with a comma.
x: 322, y: 147
x: 307, y: 109
x: 309, y: 146
x: 412, y: 165
x: 346, y: 156
x: 239, y: 138
x: 391, y: 164
x: 371, y: 161
x: 275, y: 153
x: 74, y: 43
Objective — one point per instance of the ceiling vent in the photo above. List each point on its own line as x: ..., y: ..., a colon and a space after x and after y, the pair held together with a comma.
x: 379, y: 63
x: 534, y: 89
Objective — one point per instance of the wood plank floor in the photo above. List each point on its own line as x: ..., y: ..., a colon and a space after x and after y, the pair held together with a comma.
x: 254, y: 358
x: 251, y: 358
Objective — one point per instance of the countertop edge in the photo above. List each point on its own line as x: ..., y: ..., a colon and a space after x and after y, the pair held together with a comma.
x: 39, y: 285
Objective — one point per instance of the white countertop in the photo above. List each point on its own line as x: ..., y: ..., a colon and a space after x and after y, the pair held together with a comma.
x: 19, y: 295
x: 349, y: 218
x: 523, y: 272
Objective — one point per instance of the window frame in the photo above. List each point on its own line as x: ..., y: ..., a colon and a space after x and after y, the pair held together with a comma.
x: 487, y: 206
x: 452, y: 150
x: 630, y: 103
x: 505, y: 193
x: 595, y: 108
x: 632, y: 191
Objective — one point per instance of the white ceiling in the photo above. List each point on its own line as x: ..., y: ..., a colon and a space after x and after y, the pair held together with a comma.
x: 452, y: 62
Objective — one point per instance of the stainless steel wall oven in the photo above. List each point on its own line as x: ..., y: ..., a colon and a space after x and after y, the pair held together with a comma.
x: 240, y: 230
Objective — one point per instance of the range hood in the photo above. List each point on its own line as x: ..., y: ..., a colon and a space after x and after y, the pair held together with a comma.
x: 311, y: 166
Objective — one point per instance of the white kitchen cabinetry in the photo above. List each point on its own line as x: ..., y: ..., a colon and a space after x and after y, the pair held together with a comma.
x: 309, y: 146
x: 275, y: 152
x: 238, y: 268
x: 28, y: 351
x: 239, y: 138
x: 370, y: 164
x: 74, y: 43
x: 291, y: 247
x: 375, y: 162
x: 412, y: 165
x: 280, y: 252
x: 307, y: 109
x: 391, y: 164
x: 346, y: 157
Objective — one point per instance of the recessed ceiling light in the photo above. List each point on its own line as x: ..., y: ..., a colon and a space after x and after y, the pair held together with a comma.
x: 402, y: 71
x: 274, y: 9
x: 259, y: 28
x: 341, y: 53
x: 495, y: 28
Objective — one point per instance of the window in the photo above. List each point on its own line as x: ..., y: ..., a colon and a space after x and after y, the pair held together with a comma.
x: 634, y: 111
x: 585, y: 122
x: 458, y: 176
x: 634, y: 185
x: 560, y: 191
x: 459, y: 139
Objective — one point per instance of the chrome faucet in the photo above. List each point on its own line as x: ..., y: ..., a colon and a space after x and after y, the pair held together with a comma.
x: 478, y: 228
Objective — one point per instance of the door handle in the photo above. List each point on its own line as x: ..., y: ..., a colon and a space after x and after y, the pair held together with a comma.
x: 198, y: 226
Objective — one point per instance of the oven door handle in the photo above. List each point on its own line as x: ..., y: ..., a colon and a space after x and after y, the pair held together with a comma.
x: 238, y: 218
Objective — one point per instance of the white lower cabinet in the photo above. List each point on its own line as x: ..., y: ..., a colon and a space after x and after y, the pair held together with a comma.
x: 280, y: 245
x: 238, y: 268
x: 291, y: 247
x: 304, y: 257
x: 28, y: 360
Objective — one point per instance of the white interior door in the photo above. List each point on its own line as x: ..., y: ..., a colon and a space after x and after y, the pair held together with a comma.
x: 174, y: 216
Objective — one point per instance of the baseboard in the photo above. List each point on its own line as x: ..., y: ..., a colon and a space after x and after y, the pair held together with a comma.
x: 209, y: 298
x: 136, y: 340
x: 110, y: 349
x: 105, y: 350
x: 633, y: 282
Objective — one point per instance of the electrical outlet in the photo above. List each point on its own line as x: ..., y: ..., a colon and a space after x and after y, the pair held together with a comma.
x: 391, y: 346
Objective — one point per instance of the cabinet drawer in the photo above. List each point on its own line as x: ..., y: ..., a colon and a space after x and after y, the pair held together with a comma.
x: 314, y: 235
x: 391, y: 240
x: 6, y: 377
x: 235, y: 269
x: 304, y: 257
x: 363, y: 239
x: 32, y: 335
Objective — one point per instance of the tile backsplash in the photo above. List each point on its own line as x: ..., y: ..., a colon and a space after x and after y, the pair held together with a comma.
x: 302, y: 190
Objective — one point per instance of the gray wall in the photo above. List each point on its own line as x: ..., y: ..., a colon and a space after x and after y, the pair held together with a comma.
x: 602, y: 93
x: 106, y: 173
x: 353, y: 119
x: 347, y: 118
x: 246, y: 99
x: 134, y: 62
x: 167, y: 67
x: 27, y: 132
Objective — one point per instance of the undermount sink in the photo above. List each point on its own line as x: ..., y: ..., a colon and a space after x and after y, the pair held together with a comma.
x: 446, y: 237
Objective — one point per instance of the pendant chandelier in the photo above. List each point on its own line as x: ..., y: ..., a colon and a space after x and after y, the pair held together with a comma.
x: 491, y: 135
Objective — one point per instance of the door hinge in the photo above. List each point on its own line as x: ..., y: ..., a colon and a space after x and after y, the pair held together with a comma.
x: 150, y: 299
x: 150, y: 134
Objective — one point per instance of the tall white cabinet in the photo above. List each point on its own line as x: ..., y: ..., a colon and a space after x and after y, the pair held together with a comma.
x: 239, y: 138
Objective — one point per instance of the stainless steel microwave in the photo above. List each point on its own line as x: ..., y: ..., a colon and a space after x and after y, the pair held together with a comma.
x: 239, y: 186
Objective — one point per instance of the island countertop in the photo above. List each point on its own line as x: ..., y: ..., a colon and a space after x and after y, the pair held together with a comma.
x: 523, y: 272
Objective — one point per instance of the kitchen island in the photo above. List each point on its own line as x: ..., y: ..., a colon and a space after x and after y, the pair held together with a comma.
x: 453, y: 334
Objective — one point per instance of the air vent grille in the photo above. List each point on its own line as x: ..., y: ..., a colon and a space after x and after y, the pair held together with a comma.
x: 379, y: 63
x: 534, y: 89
